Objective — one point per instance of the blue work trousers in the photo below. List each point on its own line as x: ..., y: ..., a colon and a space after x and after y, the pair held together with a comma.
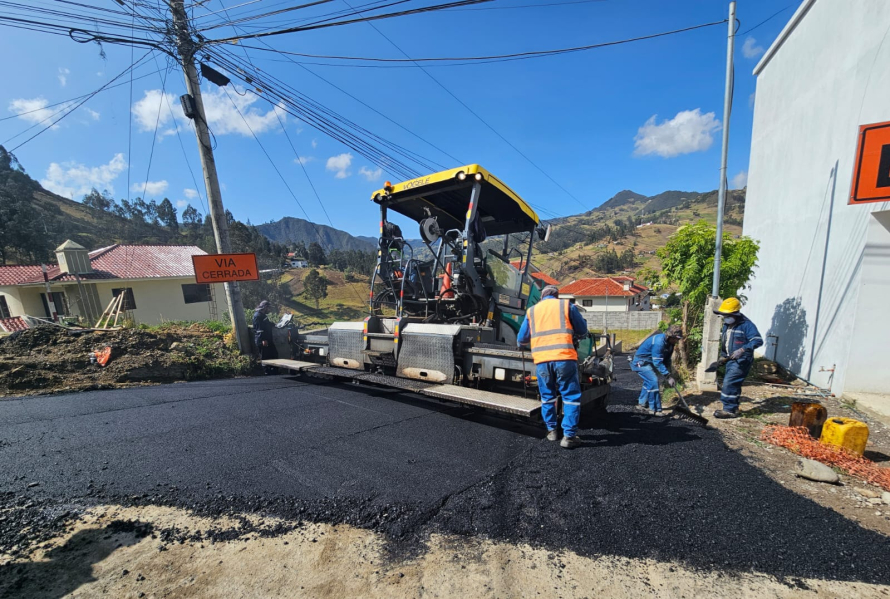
x: 736, y: 372
x: 560, y: 378
x: 650, y: 395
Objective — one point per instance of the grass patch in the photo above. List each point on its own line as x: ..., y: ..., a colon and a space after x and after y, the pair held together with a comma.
x: 629, y: 338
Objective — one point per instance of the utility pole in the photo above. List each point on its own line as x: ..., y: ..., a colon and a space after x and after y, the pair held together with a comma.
x: 727, y: 110
x: 186, y: 47
x: 710, y: 350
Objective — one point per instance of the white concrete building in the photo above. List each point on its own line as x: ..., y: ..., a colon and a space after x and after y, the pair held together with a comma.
x: 158, y: 283
x: 822, y: 286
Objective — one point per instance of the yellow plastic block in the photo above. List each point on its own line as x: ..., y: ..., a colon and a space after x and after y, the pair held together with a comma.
x: 847, y: 433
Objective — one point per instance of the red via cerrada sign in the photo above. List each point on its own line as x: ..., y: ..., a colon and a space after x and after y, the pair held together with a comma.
x: 871, y: 170
x: 225, y: 268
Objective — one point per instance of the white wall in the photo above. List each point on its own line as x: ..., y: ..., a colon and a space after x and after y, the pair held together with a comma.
x: 828, y: 77
x: 603, y: 304
x: 157, y: 300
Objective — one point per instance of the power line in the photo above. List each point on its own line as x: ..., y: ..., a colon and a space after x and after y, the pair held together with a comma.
x: 491, y: 58
x: 81, y: 103
x: 471, y: 111
x: 369, y: 107
x: 769, y: 18
x: 154, y: 136
x: 402, y: 13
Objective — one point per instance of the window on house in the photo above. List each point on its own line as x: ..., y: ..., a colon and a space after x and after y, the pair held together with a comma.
x: 129, y: 301
x: 4, y: 307
x: 587, y: 303
x: 194, y: 294
x: 60, y: 303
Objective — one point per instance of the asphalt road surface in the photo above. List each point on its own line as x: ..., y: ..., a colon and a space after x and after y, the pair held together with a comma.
x: 406, y: 466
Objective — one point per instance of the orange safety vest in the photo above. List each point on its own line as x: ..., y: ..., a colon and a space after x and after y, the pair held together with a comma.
x: 551, y: 331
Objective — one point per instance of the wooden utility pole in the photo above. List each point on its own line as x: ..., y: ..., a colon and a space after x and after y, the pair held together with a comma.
x: 186, y: 47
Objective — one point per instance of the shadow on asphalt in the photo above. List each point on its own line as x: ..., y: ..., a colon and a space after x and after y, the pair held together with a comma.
x: 69, y: 566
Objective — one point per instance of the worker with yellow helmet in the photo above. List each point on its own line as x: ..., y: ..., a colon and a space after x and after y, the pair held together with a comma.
x: 738, y: 340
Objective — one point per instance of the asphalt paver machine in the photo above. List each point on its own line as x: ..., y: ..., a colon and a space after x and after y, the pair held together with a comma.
x: 445, y: 309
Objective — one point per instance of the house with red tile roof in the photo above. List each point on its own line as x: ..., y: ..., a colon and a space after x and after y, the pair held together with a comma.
x: 608, y: 294
x: 157, y: 281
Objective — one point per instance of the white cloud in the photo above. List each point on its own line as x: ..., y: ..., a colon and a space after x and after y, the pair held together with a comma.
x: 689, y: 131
x: 63, y: 76
x: 149, y: 188
x: 340, y: 165
x: 751, y: 100
x: 153, y: 110
x: 314, y: 143
x: 72, y: 179
x: 369, y: 174
x: 750, y: 49
x: 739, y: 181
x: 304, y: 160
x: 95, y: 115
x: 190, y: 193
x: 181, y: 204
x: 34, y: 110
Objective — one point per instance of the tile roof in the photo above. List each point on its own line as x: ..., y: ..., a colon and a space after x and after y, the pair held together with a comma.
x: 13, y: 275
x: 11, y: 325
x: 116, y: 262
x: 610, y: 286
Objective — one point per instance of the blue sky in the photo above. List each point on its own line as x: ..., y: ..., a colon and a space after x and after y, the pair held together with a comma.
x: 644, y: 116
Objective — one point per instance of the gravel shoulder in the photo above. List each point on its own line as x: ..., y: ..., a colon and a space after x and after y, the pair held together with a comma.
x: 119, y: 552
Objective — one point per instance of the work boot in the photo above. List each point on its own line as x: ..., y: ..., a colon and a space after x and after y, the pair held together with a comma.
x: 658, y: 413
x: 724, y: 414
x: 570, y: 442
x: 553, y: 435
x: 641, y: 408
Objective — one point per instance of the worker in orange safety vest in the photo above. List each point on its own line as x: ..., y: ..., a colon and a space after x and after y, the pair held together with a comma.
x: 551, y: 326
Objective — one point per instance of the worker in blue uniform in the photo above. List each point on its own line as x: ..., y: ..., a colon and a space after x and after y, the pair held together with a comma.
x: 738, y: 340
x: 653, y: 358
x: 551, y: 327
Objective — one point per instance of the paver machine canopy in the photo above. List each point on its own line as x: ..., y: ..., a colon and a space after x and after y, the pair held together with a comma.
x: 475, y: 241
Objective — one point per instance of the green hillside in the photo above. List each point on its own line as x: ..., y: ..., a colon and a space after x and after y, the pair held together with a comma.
x: 580, y: 244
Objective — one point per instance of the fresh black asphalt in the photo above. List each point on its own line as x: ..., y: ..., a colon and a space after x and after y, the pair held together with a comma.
x: 406, y: 466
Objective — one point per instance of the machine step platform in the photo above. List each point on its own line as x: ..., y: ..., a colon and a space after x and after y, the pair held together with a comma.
x: 518, y: 406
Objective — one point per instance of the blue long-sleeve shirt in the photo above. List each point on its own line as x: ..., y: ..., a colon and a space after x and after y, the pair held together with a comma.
x: 579, y: 325
x: 742, y: 334
x: 656, y: 351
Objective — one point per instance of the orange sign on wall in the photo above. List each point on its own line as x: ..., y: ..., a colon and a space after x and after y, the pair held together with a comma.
x: 225, y: 268
x: 871, y: 171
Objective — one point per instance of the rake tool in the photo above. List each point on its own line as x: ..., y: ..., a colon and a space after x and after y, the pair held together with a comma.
x: 681, y: 410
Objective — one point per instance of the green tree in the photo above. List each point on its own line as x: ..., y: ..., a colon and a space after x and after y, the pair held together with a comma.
x: 100, y: 201
x: 316, y: 255
x: 167, y: 215
x: 191, y: 218
x: 315, y: 286
x: 687, y: 264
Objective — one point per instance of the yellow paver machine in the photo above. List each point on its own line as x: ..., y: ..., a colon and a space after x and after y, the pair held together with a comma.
x: 445, y: 310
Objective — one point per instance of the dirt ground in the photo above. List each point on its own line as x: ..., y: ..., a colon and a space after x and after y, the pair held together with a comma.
x: 121, y: 552
x: 763, y: 405
x: 51, y: 359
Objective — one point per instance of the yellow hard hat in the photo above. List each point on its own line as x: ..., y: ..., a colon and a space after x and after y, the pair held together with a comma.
x: 730, y: 305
